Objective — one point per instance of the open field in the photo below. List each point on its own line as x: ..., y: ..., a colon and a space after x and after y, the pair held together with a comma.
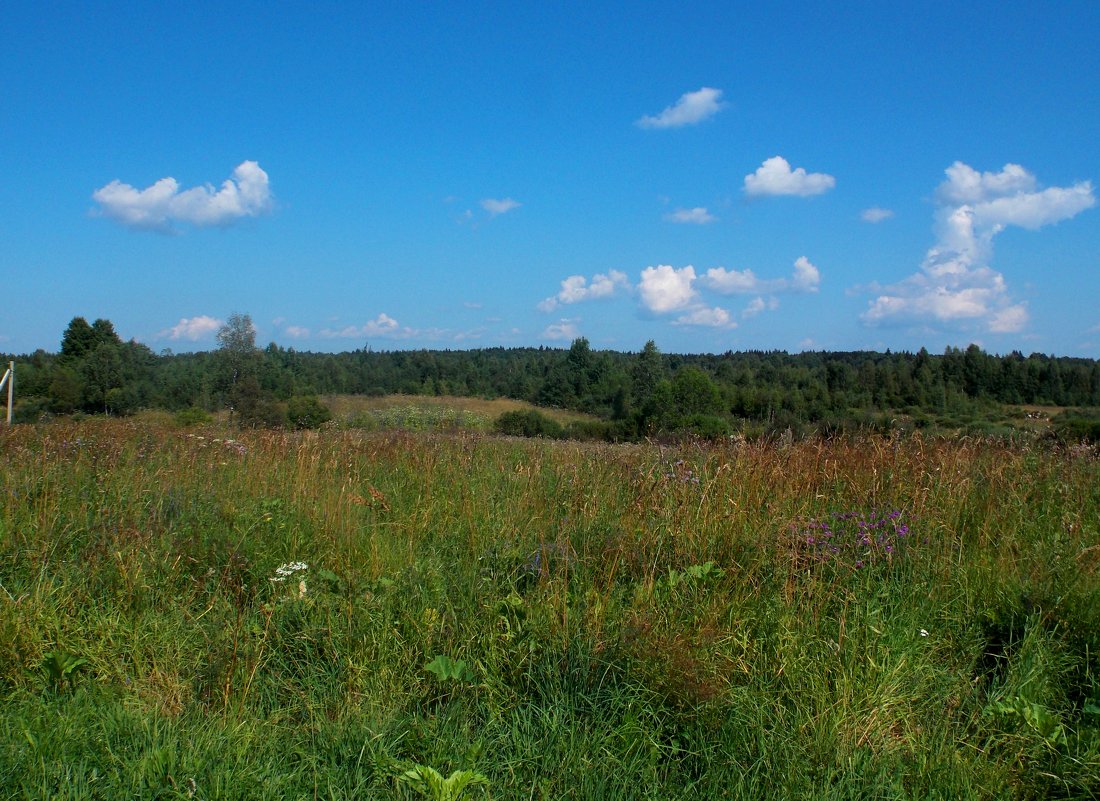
x: 191, y: 613
x: 428, y: 412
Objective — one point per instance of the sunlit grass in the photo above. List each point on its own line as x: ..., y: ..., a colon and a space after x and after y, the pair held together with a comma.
x: 257, y: 611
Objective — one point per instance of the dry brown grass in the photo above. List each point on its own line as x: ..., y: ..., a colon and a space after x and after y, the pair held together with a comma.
x: 343, y: 406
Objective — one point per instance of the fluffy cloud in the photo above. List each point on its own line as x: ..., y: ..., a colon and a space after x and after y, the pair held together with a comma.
x: 964, y: 184
x: 497, y: 207
x: 955, y: 284
x: 296, y: 332
x: 875, y: 214
x: 577, y: 288
x: 664, y: 289
x: 759, y: 304
x: 775, y: 177
x: 246, y: 194
x: 690, y: 109
x: 711, y: 317
x: 563, y: 329
x: 668, y: 290
x: 192, y: 328
x: 381, y: 326
x: 805, y: 278
x: 695, y: 216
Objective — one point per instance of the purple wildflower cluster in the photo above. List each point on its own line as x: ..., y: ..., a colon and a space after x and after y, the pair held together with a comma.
x: 856, y: 538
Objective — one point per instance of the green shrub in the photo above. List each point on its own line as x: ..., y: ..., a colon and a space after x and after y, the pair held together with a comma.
x: 1078, y: 426
x: 31, y: 410
x: 305, y: 411
x: 193, y: 416
x: 598, y: 430
x: 529, y: 424
x: 707, y: 426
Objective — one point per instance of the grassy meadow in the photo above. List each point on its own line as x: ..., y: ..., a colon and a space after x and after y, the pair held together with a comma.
x: 201, y: 613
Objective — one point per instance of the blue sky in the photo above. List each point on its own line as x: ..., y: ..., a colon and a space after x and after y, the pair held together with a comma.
x: 713, y: 177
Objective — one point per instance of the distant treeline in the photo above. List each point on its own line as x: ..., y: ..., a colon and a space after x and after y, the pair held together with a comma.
x: 634, y: 393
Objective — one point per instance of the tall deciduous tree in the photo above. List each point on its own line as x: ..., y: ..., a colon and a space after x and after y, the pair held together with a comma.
x: 239, y: 363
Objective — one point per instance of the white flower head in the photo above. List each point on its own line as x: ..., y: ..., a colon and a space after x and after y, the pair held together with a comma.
x: 283, y: 572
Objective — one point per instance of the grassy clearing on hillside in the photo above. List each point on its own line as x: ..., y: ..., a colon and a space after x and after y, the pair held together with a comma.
x: 191, y: 614
x: 427, y: 412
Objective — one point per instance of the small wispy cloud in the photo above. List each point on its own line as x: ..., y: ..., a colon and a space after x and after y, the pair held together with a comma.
x: 703, y: 316
x: 296, y: 332
x: 695, y: 216
x: 759, y: 304
x: 498, y: 207
x: 158, y: 207
x: 381, y: 326
x: 564, y: 329
x: 577, y: 288
x: 691, y: 109
x: 775, y: 177
x: 875, y: 214
x: 192, y: 328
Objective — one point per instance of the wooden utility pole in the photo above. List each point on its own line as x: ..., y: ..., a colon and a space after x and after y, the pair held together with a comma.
x: 9, y: 379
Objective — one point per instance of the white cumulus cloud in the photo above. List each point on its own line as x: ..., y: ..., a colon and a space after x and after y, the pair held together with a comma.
x: 715, y: 317
x: 775, y: 177
x: 690, y: 109
x: 497, y: 207
x: 563, y: 329
x: 664, y: 288
x: 964, y: 184
x: 577, y: 288
x: 381, y: 326
x: 875, y: 214
x: 296, y: 332
x: 955, y: 284
x: 695, y: 216
x: 192, y: 328
x: 805, y: 278
x: 246, y: 194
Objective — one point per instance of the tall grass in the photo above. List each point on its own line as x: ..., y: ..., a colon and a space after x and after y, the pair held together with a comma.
x: 256, y: 612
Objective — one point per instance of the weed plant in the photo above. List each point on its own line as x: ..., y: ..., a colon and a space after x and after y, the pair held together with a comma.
x: 351, y: 614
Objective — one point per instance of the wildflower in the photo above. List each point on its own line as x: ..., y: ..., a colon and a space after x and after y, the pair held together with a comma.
x: 283, y: 572
x: 301, y: 589
x: 924, y: 632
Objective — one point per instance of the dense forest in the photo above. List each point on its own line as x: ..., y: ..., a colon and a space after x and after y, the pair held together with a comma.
x: 629, y: 395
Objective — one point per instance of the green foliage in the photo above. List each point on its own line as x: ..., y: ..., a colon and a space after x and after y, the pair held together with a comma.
x: 192, y: 416
x: 413, y: 417
x: 1078, y: 426
x: 32, y: 410
x: 694, y: 574
x: 644, y: 394
x: 528, y: 424
x: 59, y: 667
x: 65, y: 391
x: 707, y: 426
x: 447, y: 669
x: 648, y: 621
x: 305, y: 411
x: 429, y: 783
